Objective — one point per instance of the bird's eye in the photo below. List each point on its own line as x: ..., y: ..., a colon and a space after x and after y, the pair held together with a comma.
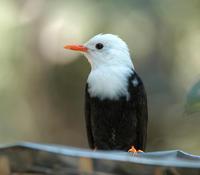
x: 99, y: 46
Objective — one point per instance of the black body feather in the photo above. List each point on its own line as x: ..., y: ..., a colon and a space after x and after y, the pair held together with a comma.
x: 118, y: 124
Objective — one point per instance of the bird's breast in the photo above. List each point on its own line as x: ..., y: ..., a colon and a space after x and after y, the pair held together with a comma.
x: 109, y: 83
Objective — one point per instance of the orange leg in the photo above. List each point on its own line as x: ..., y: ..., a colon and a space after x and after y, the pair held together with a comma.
x: 134, y: 151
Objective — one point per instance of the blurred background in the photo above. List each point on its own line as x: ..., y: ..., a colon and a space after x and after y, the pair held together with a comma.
x: 42, y: 85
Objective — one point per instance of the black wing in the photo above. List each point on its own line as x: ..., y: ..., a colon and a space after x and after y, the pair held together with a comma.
x: 139, y: 98
x: 88, y: 118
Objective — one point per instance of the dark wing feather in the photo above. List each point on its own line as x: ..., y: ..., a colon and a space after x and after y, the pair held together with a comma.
x: 142, y: 117
x: 140, y: 100
x: 88, y: 118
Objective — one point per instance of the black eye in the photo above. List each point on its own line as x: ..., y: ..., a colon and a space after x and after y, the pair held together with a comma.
x: 99, y: 46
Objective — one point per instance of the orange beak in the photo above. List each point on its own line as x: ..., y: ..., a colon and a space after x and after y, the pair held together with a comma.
x: 77, y: 47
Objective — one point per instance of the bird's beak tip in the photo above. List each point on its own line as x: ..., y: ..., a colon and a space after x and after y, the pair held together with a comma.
x: 66, y: 47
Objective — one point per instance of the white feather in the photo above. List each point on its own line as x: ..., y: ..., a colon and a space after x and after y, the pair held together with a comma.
x: 135, y: 82
x: 109, y: 82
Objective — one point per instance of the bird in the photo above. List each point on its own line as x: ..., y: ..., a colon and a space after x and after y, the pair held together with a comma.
x: 116, y: 112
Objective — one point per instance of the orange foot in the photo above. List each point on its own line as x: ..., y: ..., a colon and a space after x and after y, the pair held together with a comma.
x: 95, y: 148
x: 134, y: 151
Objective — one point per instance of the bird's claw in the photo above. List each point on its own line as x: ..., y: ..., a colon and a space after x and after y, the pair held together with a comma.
x: 134, y: 151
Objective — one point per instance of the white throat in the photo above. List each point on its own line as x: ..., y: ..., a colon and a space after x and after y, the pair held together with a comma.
x: 109, y: 82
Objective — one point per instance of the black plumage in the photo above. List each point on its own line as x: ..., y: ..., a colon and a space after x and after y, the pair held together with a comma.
x: 118, y: 124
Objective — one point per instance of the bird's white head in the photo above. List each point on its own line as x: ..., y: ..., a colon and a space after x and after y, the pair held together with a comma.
x: 111, y: 65
x: 105, y: 50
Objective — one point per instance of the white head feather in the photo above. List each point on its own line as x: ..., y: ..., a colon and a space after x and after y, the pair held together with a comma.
x: 115, y: 51
x: 111, y: 67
